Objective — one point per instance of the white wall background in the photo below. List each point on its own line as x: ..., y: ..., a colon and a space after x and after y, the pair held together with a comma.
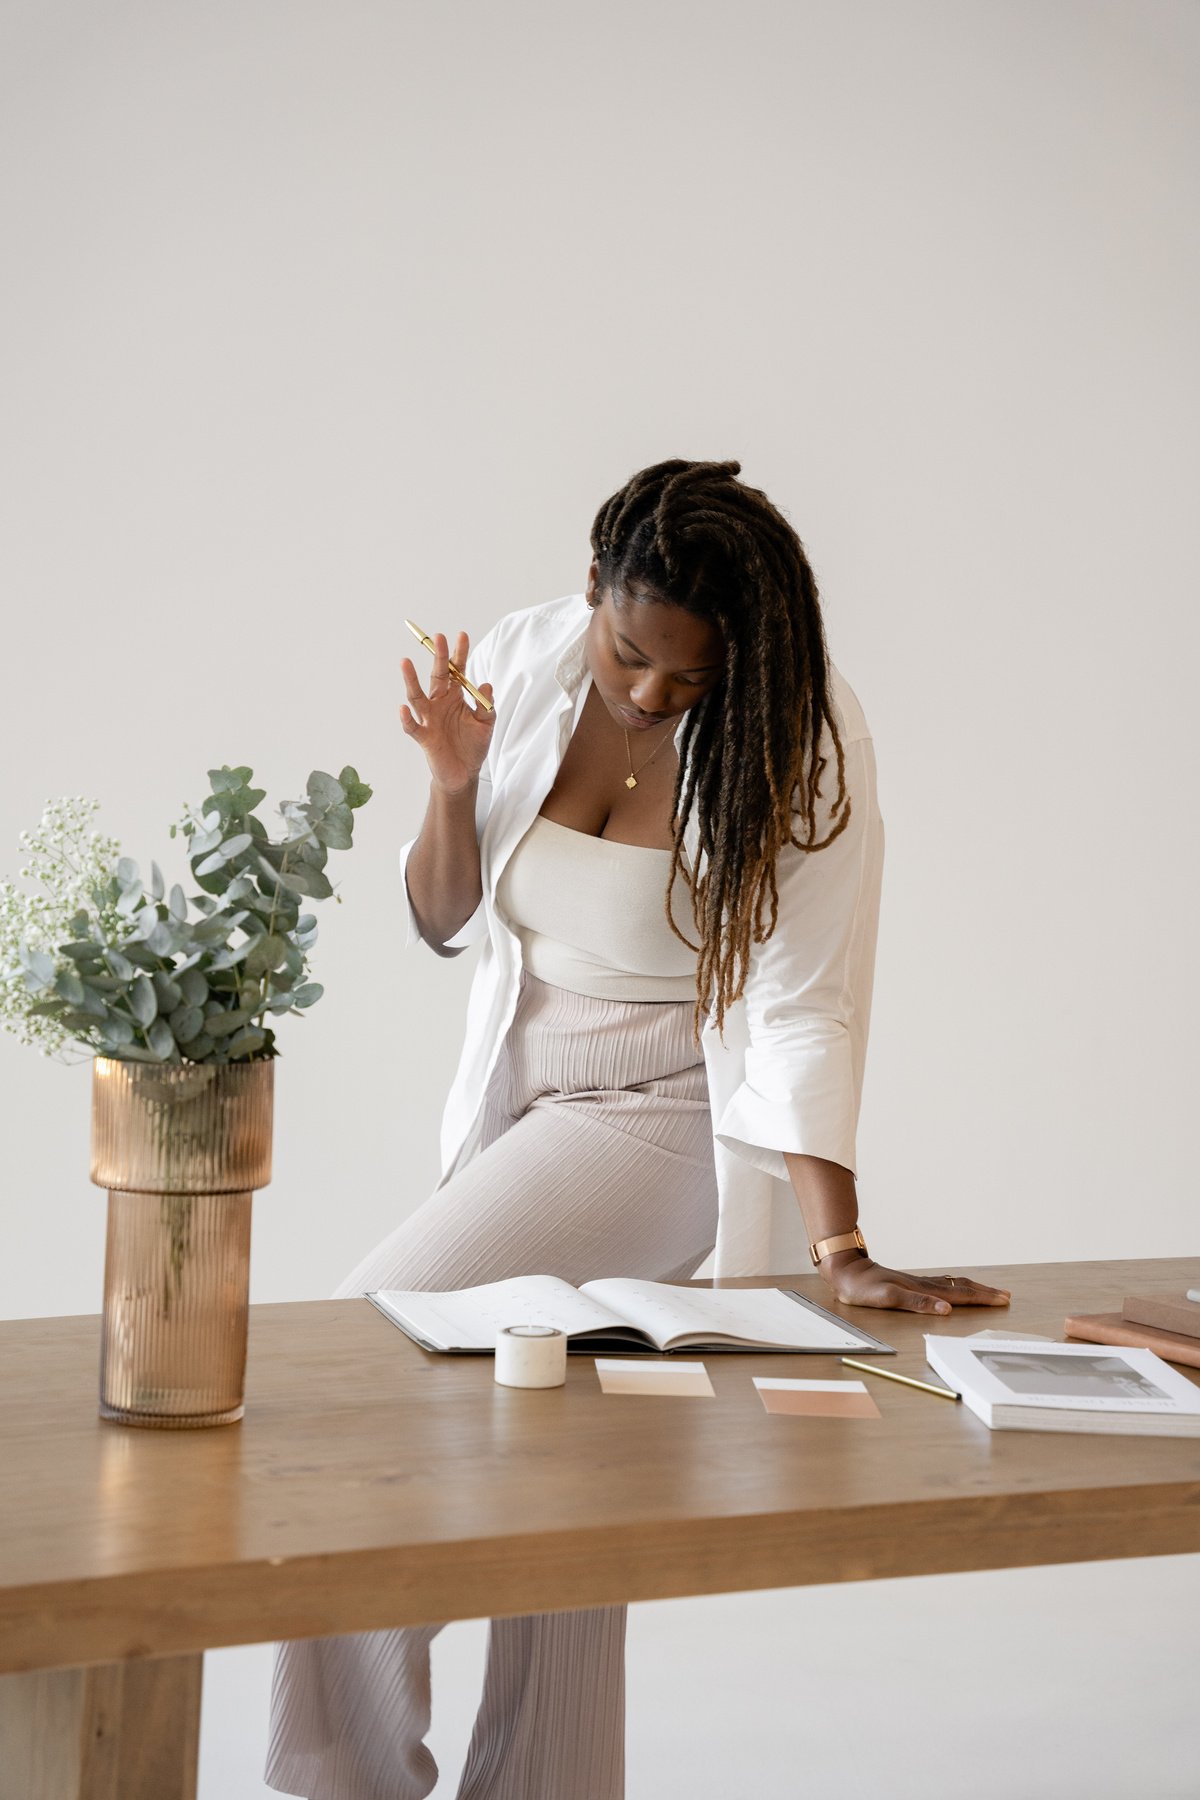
x: 317, y: 315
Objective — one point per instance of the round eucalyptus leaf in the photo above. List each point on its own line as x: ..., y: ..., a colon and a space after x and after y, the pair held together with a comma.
x: 167, y: 992
x: 143, y: 1002
x: 297, y: 879
x: 78, y: 1022
x: 224, y: 779
x: 309, y: 994
x: 221, y: 1024
x: 266, y: 953
x: 81, y: 953
x: 143, y: 925
x: 200, y: 1047
x: 128, y: 872
x: 161, y: 1039
x: 210, y: 931
x: 178, y: 903
x: 357, y: 792
x: 139, y: 953
x: 310, y: 881
x: 68, y: 985
x: 186, y: 1022
x: 323, y: 790
x: 116, y: 1028
x: 161, y: 939
x: 233, y: 846
x: 157, y: 884
x: 193, y: 986
x: 120, y: 965
x: 334, y: 832
x: 245, y: 1043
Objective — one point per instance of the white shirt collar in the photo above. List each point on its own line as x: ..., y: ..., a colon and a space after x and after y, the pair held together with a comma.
x: 572, y: 664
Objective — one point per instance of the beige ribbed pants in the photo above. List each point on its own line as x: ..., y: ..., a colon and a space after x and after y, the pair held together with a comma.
x: 596, y: 1159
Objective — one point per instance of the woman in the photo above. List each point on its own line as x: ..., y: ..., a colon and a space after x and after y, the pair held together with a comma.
x: 666, y: 835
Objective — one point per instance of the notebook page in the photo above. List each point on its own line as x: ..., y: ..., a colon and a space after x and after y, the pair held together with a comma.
x: 471, y: 1318
x: 762, y: 1315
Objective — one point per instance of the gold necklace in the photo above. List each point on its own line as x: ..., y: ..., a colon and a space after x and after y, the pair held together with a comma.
x: 631, y: 778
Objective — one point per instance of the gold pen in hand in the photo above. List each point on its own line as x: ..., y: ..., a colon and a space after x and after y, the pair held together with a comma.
x: 455, y: 672
x: 926, y: 1387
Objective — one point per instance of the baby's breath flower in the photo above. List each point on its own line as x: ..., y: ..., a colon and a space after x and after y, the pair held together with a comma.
x: 67, y: 860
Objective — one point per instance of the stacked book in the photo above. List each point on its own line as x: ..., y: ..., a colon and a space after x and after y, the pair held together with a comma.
x: 1035, y: 1385
x: 1168, y: 1323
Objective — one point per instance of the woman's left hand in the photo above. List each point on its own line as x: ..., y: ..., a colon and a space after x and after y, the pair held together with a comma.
x: 857, y: 1281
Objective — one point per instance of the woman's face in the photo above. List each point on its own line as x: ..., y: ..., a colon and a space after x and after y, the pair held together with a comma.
x: 650, y: 661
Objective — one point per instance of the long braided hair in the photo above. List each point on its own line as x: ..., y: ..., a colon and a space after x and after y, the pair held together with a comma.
x: 749, y: 761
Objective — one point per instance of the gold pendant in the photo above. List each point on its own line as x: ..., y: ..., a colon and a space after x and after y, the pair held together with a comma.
x: 631, y: 781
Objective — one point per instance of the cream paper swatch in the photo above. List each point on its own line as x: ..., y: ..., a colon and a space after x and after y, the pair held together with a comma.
x: 628, y: 1375
x: 816, y: 1399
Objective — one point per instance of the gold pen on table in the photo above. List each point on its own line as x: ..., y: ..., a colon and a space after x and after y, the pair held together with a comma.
x: 454, y: 670
x: 926, y: 1387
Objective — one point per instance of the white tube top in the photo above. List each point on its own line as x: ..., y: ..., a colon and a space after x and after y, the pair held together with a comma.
x: 590, y: 915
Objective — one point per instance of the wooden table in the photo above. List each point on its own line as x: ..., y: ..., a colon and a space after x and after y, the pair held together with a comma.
x: 371, y: 1484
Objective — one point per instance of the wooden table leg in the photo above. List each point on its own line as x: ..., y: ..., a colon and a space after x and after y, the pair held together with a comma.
x: 115, y: 1731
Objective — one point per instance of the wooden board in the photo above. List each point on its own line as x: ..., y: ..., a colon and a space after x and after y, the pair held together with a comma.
x: 117, y: 1731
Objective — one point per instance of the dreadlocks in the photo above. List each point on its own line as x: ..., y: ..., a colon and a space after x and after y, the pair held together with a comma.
x: 749, y: 761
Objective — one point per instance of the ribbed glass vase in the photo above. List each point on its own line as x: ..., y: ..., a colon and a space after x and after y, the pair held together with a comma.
x: 180, y: 1148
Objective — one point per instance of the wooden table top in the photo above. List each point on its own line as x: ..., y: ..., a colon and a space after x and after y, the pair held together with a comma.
x: 371, y: 1483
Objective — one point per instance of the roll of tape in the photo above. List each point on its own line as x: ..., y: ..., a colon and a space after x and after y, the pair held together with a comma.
x: 531, y: 1356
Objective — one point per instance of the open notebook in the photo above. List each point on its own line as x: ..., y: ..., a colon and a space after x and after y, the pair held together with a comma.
x: 622, y: 1315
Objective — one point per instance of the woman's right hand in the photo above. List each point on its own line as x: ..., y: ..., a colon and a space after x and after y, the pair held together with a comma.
x: 453, y: 732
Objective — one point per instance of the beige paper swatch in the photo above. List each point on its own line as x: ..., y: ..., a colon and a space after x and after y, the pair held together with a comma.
x: 817, y: 1399
x: 621, y: 1375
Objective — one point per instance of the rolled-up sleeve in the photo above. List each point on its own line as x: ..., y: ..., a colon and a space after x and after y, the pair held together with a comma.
x: 808, y: 994
x: 476, y: 927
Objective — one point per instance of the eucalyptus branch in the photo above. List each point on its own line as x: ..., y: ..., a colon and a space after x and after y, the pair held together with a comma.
x: 124, y: 969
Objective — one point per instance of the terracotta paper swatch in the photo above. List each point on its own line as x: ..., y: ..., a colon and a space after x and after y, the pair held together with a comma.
x: 621, y: 1375
x: 817, y: 1399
